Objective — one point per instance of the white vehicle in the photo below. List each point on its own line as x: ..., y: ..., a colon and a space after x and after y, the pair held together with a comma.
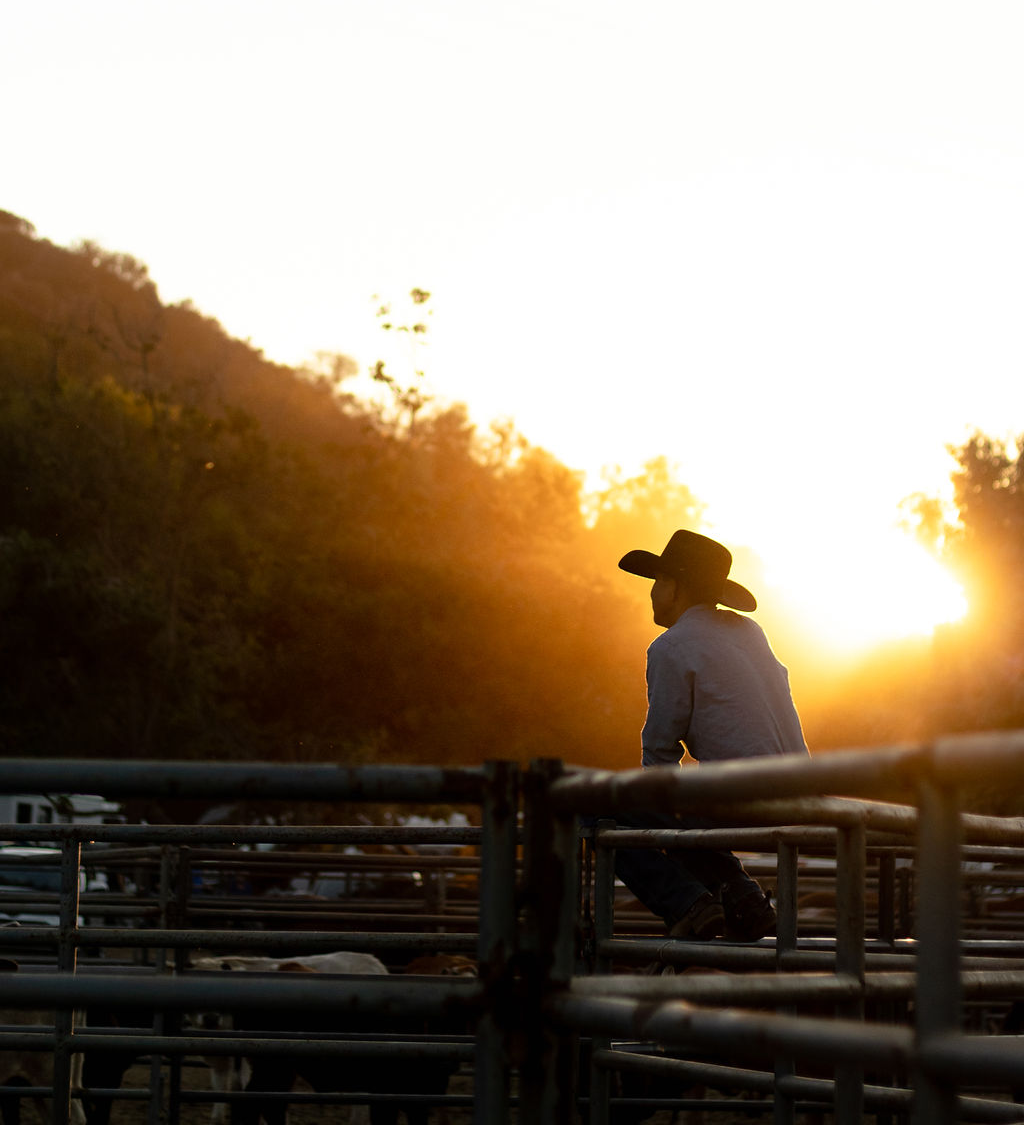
x: 73, y: 808
x: 37, y: 874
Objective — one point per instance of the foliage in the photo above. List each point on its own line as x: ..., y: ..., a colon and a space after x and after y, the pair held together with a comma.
x: 981, y: 662
x: 204, y: 554
x: 976, y: 668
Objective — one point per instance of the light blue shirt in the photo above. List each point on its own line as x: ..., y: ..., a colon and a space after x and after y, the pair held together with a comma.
x: 715, y: 687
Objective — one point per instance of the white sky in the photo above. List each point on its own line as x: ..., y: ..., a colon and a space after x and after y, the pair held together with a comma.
x: 780, y: 243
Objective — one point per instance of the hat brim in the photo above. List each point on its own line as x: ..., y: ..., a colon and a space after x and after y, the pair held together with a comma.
x: 646, y: 564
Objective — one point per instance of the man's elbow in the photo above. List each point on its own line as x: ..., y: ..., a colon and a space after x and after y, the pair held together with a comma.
x: 657, y: 756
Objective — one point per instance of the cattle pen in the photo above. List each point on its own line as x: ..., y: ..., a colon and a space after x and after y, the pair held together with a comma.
x: 888, y: 990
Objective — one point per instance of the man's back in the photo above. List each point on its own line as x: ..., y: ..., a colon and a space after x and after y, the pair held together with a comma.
x: 714, y: 684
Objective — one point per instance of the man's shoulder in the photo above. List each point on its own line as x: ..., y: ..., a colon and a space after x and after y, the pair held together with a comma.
x: 695, y: 628
x: 710, y: 621
x: 706, y: 627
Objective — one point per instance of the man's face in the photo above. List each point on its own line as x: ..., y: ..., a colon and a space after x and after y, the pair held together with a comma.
x: 664, y: 601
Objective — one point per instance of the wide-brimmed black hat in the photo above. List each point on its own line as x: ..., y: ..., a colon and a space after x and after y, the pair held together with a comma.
x: 697, y: 559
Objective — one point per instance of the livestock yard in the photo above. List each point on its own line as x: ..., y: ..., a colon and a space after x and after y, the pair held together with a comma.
x: 469, y: 956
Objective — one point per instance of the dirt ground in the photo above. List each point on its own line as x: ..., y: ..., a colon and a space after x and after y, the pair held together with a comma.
x: 137, y: 1112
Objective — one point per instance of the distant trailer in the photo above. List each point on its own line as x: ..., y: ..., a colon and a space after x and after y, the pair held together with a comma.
x: 63, y: 808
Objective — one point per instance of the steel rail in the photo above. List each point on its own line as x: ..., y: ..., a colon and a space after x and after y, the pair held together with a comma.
x: 886, y: 773
x: 764, y: 1082
x: 320, y: 941
x: 777, y: 989
x: 191, y: 1044
x: 737, y: 1034
x: 251, y: 781
x: 245, y: 991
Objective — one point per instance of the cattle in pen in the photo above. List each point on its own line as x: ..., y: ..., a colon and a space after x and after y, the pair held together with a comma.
x: 228, y: 1074
x: 31, y: 1068
x: 275, y: 1074
x: 105, y: 1070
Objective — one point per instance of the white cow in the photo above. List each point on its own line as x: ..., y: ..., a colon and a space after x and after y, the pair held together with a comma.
x: 227, y: 1074
x: 344, y: 961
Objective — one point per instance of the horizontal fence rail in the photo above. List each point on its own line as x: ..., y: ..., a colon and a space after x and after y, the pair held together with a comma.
x: 899, y: 952
x: 169, y: 866
x: 230, y: 781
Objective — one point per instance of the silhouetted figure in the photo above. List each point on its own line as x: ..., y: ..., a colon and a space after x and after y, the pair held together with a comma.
x: 715, y: 689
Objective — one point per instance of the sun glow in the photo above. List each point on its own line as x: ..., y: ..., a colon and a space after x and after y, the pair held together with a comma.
x: 868, y: 594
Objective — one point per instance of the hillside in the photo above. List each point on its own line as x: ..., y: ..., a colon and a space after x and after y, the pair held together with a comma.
x: 204, y: 554
x: 207, y: 555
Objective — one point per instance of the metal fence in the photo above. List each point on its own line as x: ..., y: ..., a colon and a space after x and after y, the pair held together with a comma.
x: 915, y: 989
x: 881, y: 1003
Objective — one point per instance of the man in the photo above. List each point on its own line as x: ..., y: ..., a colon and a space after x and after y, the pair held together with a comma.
x: 715, y: 688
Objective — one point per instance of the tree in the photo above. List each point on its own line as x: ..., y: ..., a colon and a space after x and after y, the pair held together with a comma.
x: 980, y: 662
x: 204, y: 554
x: 408, y: 397
x: 642, y: 509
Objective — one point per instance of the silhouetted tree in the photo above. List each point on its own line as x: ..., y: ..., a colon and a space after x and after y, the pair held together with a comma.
x: 206, y: 554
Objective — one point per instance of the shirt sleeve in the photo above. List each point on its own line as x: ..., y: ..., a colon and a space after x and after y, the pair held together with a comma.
x: 669, y: 706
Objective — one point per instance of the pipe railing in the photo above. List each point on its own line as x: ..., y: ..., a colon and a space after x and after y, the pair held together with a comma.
x: 493, y: 787
x: 542, y: 927
x: 818, y: 791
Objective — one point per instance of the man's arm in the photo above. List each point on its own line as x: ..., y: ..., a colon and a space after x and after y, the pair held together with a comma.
x: 669, y: 706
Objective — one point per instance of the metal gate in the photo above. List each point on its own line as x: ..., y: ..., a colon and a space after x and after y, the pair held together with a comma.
x: 876, y: 1000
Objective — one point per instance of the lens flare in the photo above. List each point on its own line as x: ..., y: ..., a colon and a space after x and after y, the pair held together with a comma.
x: 854, y: 599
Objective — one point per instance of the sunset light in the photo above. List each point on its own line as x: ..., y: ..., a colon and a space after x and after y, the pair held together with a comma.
x: 867, y: 594
x: 531, y: 484
x: 694, y: 235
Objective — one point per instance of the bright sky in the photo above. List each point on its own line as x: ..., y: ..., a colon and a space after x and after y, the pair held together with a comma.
x: 780, y: 243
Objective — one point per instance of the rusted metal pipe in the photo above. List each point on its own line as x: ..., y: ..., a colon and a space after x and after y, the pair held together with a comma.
x: 251, y: 781
x: 737, y: 1034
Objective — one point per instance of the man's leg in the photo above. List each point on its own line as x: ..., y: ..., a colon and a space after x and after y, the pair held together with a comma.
x: 748, y: 910
x: 713, y: 868
x: 666, y: 886
x: 749, y: 913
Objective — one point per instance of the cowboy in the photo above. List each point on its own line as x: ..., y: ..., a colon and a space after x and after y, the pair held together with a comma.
x: 715, y: 688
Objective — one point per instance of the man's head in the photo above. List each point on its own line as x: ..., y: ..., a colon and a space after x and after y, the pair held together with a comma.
x: 692, y: 570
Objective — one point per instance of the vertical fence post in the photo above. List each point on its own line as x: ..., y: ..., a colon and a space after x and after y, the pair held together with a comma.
x: 67, y: 962
x: 938, y: 997
x: 851, y: 869
x: 550, y: 893
x: 785, y: 942
x: 786, y: 885
x: 496, y: 943
x: 604, y: 930
x: 886, y: 928
x: 604, y: 893
x: 905, y: 902
x: 177, y: 917
x: 167, y: 889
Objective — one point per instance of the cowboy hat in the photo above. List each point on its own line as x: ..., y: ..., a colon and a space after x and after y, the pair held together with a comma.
x: 703, y: 562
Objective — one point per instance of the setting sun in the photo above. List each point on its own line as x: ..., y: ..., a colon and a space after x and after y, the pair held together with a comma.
x: 867, y: 594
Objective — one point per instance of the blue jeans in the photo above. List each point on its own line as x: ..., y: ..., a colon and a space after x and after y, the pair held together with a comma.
x: 669, y: 882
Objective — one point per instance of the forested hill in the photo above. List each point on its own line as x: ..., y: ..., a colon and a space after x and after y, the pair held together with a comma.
x: 207, y: 555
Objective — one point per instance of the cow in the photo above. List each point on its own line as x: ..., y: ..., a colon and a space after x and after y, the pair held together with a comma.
x: 442, y: 965
x: 32, y: 1068
x: 229, y: 1074
x: 106, y: 1069
x: 343, y: 961
x: 274, y: 1074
